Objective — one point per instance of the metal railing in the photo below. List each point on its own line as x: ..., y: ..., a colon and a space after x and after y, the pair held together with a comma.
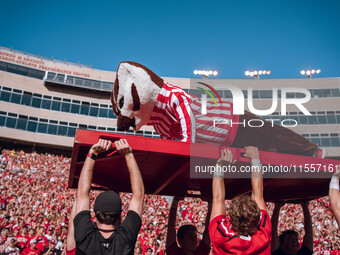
x: 64, y: 79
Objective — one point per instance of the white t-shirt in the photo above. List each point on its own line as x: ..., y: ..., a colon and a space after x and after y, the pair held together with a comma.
x: 49, y: 237
x: 11, y: 251
x: 59, y: 246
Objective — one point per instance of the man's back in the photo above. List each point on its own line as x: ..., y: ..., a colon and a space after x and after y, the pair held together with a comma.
x: 90, y: 241
x: 225, y: 241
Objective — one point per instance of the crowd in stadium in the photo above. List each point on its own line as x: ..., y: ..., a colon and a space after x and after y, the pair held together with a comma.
x: 36, y: 203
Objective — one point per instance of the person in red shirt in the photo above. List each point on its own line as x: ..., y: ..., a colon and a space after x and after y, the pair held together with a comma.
x: 52, y: 249
x: 31, y: 250
x: 161, y: 248
x: 335, y: 250
x: 22, y: 238
x: 6, y: 222
x: 186, y: 235
x: 70, y: 242
x: 42, y: 241
x: 3, y: 201
x: 16, y: 230
x: 20, y: 222
x: 149, y: 245
x: 30, y: 236
x: 148, y: 251
x: 247, y: 230
x: 9, y: 247
x: 4, y: 235
x: 142, y: 240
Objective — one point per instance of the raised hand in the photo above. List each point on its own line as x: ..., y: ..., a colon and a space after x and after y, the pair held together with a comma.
x: 252, y: 152
x: 226, y: 158
x: 102, y: 145
x: 123, y: 147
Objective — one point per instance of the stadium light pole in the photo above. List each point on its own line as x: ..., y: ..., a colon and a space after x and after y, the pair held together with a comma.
x: 257, y: 73
x: 309, y: 73
x: 206, y: 73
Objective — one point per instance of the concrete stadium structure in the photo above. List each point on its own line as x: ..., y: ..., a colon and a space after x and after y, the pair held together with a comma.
x: 43, y: 101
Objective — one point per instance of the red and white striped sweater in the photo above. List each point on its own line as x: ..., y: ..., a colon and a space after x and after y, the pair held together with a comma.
x: 177, y: 116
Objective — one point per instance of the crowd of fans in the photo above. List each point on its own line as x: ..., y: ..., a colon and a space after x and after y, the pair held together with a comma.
x: 35, y: 204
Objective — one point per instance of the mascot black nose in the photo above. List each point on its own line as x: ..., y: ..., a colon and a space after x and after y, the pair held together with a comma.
x: 124, y: 123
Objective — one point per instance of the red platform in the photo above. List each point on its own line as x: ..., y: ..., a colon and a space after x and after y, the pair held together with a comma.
x: 165, y: 167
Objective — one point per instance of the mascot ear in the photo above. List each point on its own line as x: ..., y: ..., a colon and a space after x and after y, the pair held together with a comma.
x: 135, y: 97
x: 114, y: 96
x: 124, y: 70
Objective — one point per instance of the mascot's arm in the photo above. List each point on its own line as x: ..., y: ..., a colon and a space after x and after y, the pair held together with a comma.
x: 185, y: 117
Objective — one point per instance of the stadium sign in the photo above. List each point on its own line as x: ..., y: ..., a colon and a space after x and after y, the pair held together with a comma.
x: 38, y: 63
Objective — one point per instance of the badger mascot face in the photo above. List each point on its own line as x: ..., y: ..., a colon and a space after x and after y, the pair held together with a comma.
x: 134, y: 95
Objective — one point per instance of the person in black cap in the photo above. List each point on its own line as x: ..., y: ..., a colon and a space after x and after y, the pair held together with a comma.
x: 108, y: 236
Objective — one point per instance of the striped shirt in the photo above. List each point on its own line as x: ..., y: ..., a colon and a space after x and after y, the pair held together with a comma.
x: 177, y: 116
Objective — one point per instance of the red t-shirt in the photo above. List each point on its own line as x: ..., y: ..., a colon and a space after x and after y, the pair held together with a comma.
x: 71, y: 252
x: 22, y: 240
x: 158, y: 230
x: 202, y: 249
x: 28, y: 240
x: 146, y: 247
x: 29, y: 251
x: 225, y: 241
x: 142, y: 241
x: 42, y: 242
x: 3, y: 240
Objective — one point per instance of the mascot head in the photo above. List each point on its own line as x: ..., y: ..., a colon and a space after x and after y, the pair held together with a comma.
x: 134, y: 95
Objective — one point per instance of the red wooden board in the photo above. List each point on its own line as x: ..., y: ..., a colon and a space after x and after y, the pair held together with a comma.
x: 165, y: 167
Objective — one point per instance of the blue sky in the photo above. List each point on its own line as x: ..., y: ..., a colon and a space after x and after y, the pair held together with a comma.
x: 173, y: 38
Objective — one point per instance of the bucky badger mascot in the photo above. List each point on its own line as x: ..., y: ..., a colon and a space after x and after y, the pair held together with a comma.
x: 140, y: 97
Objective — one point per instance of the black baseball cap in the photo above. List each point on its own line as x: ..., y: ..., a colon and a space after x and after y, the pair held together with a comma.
x: 108, y: 201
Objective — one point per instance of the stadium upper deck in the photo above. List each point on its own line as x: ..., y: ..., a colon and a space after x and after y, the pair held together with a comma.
x: 43, y: 101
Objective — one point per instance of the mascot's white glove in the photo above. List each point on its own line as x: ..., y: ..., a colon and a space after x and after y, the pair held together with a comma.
x: 334, y: 184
